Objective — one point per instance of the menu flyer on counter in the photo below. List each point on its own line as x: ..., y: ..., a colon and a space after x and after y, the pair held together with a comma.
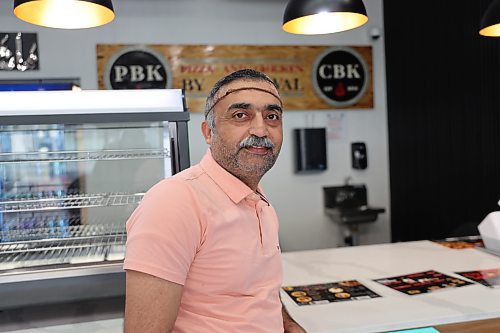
x: 422, y: 282
x: 324, y: 293
x: 487, y: 277
x: 461, y: 242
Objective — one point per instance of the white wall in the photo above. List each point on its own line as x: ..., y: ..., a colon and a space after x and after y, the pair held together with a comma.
x: 297, y: 198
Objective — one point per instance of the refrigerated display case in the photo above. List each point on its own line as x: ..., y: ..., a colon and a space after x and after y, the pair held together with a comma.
x: 73, y: 167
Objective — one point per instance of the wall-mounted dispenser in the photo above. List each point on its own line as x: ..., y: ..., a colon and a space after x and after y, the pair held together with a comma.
x: 359, y: 155
x: 310, y: 149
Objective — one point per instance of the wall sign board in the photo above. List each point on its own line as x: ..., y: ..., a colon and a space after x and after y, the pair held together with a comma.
x: 308, y: 77
x: 137, y: 68
x: 18, y: 51
x: 340, y: 76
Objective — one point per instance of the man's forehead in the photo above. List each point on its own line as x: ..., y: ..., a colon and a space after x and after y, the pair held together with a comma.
x: 248, y: 83
x: 243, y: 85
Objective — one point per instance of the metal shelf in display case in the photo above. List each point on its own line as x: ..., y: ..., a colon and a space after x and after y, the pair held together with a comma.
x: 65, y: 156
x: 70, y: 202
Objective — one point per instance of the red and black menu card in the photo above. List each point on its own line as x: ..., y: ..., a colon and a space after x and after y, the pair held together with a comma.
x: 487, y: 277
x: 422, y: 282
x: 329, y: 292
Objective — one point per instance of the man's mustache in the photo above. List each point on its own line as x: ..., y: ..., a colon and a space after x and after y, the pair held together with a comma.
x: 255, y: 141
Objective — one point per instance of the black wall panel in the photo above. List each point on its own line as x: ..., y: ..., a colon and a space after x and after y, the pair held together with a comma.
x: 443, y: 94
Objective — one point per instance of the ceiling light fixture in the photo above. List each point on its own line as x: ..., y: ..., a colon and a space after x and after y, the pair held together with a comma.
x: 490, y: 23
x: 65, y: 14
x: 315, y: 17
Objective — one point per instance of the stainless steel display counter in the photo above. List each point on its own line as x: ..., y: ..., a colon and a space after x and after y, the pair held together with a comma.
x: 73, y: 167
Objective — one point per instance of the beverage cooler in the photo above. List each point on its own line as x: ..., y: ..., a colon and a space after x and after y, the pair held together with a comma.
x: 73, y: 167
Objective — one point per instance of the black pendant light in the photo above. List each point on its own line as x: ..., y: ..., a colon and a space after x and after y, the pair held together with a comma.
x: 314, y: 17
x: 490, y: 24
x: 65, y: 14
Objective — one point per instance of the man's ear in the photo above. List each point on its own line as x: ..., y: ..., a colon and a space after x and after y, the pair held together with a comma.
x: 207, y: 132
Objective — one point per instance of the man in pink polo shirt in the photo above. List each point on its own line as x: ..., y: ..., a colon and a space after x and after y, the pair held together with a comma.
x: 202, y: 249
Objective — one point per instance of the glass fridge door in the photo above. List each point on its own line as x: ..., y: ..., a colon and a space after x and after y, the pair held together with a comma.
x: 67, y: 190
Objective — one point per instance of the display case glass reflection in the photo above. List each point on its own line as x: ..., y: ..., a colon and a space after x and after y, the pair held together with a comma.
x: 68, y: 182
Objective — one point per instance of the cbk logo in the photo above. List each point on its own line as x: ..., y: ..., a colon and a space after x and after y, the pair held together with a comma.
x: 137, y: 68
x: 340, y: 76
x: 339, y: 71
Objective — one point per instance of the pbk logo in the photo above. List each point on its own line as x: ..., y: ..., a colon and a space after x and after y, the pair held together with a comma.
x: 137, y: 68
x: 340, y: 76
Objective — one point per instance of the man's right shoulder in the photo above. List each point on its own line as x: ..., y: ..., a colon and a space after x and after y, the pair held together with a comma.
x: 192, y: 172
x: 179, y: 180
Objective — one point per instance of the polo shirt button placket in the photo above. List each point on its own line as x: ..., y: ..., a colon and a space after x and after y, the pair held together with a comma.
x: 257, y: 204
x: 258, y: 210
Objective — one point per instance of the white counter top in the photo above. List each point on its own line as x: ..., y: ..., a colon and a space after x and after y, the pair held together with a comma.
x: 392, y: 311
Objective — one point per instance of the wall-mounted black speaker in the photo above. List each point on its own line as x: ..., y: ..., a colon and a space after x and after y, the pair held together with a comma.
x: 310, y: 149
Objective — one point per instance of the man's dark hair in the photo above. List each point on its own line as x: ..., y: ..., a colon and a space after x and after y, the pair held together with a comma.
x: 242, y: 74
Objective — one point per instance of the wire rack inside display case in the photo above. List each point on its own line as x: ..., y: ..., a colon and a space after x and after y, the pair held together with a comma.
x: 68, y: 202
x: 66, y: 156
x: 39, y: 248
x: 73, y: 167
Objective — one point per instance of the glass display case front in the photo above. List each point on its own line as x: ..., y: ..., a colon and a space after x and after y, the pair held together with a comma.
x: 71, y: 175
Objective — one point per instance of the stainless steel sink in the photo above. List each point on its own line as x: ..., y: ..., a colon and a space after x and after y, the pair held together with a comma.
x: 348, y: 206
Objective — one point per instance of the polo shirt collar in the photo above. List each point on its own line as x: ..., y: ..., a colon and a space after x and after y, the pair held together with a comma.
x: 235, y: 189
